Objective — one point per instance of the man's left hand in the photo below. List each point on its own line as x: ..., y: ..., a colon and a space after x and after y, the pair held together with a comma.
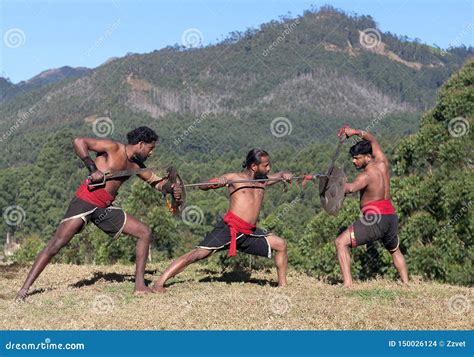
x: 287, y: 176
x: 177, y: 191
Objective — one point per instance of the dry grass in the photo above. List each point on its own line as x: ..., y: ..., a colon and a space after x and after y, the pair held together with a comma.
x: 100, y: 297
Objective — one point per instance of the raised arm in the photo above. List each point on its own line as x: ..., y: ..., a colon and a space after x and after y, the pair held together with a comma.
x: 377, y: 152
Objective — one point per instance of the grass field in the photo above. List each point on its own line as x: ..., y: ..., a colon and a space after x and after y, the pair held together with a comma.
x: 100, y: 297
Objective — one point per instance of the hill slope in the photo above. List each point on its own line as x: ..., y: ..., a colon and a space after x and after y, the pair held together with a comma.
x: 8, y: 90
x: 315, y: 69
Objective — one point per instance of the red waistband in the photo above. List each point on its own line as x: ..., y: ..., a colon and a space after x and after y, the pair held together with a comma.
x: 236, y: 225
x: 98, y: 197
x: 378, y: 207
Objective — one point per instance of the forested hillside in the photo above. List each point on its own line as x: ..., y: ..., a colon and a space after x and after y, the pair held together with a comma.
x: 211, y: 105
x: 314, y: 69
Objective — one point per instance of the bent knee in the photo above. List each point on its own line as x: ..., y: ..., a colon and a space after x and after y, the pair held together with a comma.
x: 54, y: 247
x: 196, y: 255
x: 278, y: 244
x: 146, y: 233
x: 341, y: 242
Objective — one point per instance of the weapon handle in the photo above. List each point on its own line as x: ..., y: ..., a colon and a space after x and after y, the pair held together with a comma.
x: 96, y: 184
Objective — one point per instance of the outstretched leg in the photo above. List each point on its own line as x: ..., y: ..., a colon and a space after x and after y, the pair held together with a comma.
x: 178, y: 266
x: 281, y: 257
x: 143, y: 234
x: 343, y: 242
x: 400, y: 265
x: 64, y: 233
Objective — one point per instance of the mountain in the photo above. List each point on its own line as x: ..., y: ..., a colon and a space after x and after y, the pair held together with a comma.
x: 210, y: 105
x: 314, y: 70
x: 9, y: 90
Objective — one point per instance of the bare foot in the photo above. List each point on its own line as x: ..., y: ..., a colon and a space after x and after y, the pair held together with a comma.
x: 282, y: 285
x: 143, y: 290
x: 159, y: 289
x: 21, y: 296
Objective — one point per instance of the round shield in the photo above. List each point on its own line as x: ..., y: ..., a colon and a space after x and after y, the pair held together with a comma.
x: 175, y: 206
x: 180, y: 205
x: 331, y: 191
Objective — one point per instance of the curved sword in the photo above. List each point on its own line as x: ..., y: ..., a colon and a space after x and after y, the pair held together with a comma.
x: 116, y: 174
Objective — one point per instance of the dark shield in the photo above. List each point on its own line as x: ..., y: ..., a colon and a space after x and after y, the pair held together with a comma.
x: 331, y: 191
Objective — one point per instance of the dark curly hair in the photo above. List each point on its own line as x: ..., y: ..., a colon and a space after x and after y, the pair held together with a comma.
x: 362, y: 147
x: 142, y: 133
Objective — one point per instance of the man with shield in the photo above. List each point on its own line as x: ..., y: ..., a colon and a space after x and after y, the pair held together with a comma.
x: 378, y: 221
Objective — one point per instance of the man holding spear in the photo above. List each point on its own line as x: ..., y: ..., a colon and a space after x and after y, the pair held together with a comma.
x: 237, y: 230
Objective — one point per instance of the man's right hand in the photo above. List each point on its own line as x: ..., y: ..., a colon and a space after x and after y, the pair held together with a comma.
x: 287, y: 176
x: 96, y: 176
x: 347, y: 131
x: 177, y: 192
x: 223, y: 181
x: 217, y: 182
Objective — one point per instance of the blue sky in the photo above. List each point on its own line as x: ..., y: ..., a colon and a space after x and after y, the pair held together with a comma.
x: 86, y: 33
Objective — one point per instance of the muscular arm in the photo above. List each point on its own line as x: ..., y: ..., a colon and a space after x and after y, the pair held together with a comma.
x: 359, y: 183
x: 159, y: 182
x: 153, y: 179
x: 278, y: 177
x: 82, y: 146
x: 218, y: 182
x: 377, y: 152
